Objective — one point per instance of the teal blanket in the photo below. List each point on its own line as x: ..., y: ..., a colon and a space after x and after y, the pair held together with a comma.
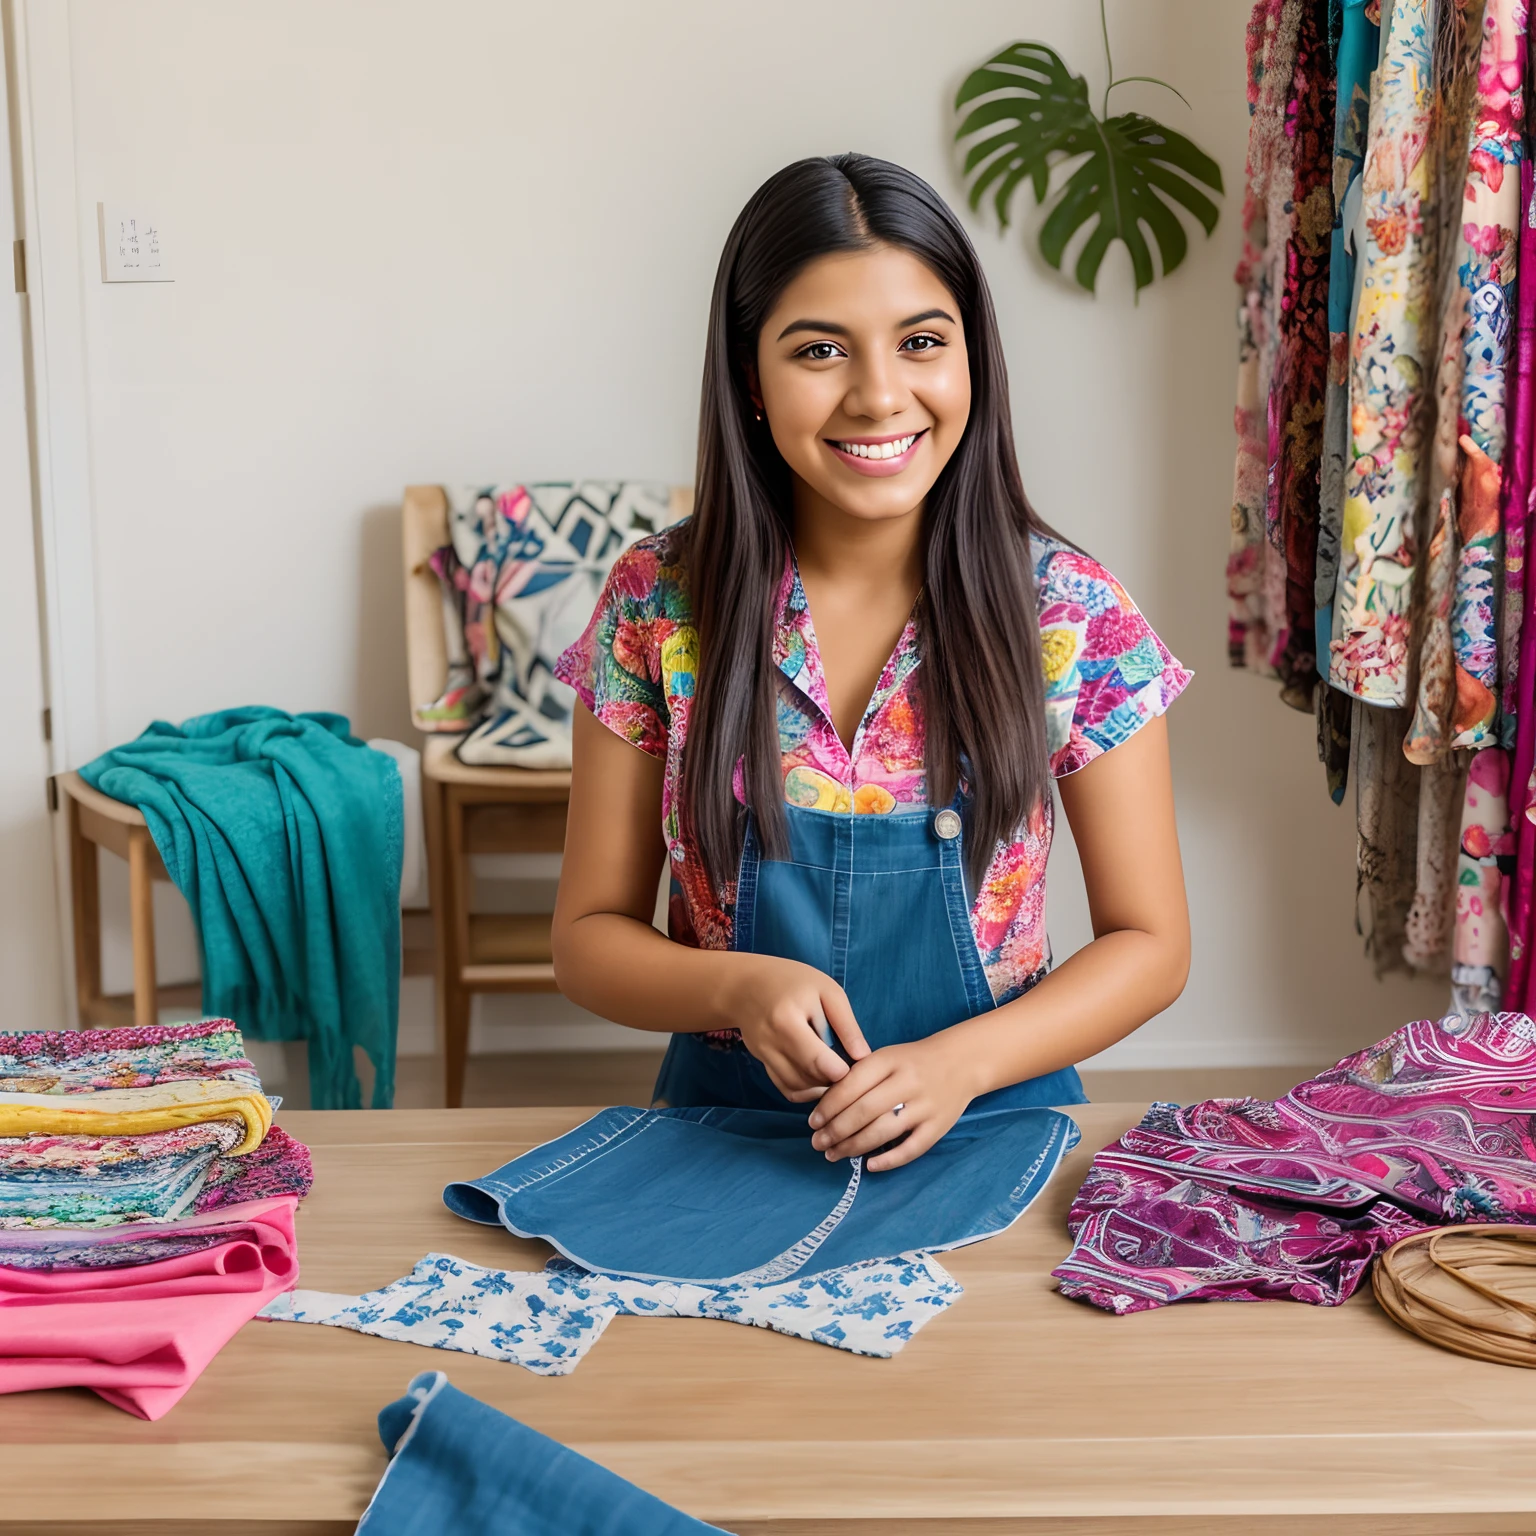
x: 284, y: 833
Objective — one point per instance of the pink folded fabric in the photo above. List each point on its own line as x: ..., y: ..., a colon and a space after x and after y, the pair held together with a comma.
x: 139, y: 1337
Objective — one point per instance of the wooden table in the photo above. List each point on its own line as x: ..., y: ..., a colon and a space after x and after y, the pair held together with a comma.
x: 1014, y: 1411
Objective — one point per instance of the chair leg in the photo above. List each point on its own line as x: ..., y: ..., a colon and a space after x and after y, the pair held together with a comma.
x: 85, y: 910
x: 453, y: 945
x: 456, y: 1008
x: 141, y: 912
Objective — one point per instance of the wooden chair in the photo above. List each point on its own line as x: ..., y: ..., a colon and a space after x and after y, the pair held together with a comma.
x: 98, y: 821
x: 472, y: 810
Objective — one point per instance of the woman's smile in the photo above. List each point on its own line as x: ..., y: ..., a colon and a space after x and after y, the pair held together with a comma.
x: 877, y: 455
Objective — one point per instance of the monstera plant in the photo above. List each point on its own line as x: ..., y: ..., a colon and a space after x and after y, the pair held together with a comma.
x: 1024, y: 112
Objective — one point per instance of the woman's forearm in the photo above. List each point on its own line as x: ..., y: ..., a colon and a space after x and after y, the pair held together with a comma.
x: 1100, y: 995
x: 627, y: 971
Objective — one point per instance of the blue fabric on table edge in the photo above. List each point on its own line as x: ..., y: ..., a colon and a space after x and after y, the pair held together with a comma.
x: 717, y: 1195
x: 457, y: 1464
x: 285, y: 834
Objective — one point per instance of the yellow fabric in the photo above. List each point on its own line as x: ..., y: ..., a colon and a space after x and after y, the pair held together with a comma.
x: 135, y: 1111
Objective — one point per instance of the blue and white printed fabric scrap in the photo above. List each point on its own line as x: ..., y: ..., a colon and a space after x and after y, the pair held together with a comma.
x: 547, y: 1320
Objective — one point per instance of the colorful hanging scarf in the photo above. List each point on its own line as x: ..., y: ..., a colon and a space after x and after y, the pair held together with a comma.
x: 1358, y: 46
x: 1480, y: 931
x: 1299, y: 385
x: 1491, y: 219
x: 1388, y: 360
x: 1254, y: 570
x: 1521, y: 665
x: 1458, y: 61
x: 1516, y: 490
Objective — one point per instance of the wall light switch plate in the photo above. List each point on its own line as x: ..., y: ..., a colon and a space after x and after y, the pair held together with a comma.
x: 132, y: 245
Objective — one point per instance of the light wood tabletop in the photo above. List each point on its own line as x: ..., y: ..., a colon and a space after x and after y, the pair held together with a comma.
x: 1014, y: 1411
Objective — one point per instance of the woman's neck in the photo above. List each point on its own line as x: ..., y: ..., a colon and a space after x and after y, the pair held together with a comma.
x: 861, y: 578
x: 856, y: 554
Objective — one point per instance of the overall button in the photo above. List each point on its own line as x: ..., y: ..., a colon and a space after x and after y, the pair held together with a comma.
x: 947, y: 824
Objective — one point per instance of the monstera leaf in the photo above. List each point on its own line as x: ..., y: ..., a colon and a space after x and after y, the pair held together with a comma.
x: 1024, y: 112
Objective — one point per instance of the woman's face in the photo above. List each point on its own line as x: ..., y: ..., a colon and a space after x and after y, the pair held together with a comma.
x: 862, y: 373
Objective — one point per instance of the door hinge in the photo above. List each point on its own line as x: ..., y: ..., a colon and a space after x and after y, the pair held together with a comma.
x: 19, y: 262
x: 53, y: 793
x: 47, y: 725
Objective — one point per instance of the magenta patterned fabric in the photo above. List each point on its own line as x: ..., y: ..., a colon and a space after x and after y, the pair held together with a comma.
x: 1244, y: 1200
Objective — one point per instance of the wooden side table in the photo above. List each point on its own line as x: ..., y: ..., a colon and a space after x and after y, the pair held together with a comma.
x: 98, y: 821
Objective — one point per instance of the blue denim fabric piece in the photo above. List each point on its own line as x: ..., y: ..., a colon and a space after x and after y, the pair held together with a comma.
x: 731, y: 1196
x: 458, y: 1465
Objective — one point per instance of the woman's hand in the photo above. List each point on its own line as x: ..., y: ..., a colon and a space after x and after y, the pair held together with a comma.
x: 781, y: 1008
x: 931, y: 1080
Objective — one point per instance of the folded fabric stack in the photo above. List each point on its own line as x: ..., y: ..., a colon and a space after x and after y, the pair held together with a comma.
x: 146, y: 1207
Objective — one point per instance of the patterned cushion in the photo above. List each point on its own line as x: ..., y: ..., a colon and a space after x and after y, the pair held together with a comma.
x: 520, y: 575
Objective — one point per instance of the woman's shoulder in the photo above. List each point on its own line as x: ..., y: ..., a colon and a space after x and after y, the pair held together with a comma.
x: 1073, y: 589
x: 649, y: 578
x: 1063, y: 571
x: 1106, y: 671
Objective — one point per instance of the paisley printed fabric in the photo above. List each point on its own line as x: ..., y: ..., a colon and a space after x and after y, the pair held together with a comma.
x: 1106, y: 675
x: 1388, y: 367
x: 1244, y: 1200
x: 548, y: 1321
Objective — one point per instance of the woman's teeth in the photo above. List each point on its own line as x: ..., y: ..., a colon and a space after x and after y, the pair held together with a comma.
x: 892, y: 450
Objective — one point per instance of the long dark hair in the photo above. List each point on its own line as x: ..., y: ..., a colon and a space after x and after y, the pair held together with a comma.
x: 980, y: 686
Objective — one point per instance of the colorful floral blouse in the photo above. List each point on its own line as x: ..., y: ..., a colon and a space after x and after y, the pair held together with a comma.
x: 1106, y: 675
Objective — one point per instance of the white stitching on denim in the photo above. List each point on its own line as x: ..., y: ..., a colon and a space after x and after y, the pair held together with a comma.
x: 792, y: 1259
x: 576, y: 1154
x: 1019, y: 1190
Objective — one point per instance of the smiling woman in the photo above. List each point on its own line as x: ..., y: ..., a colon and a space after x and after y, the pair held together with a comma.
x: 857, y: 814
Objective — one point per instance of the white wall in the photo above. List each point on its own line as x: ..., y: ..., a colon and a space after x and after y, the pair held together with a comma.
x: 476, y: 238
x: 31, y: 975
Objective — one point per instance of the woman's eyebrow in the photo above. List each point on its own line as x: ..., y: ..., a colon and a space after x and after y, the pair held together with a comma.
x: 813, y: 325
x: 834, y: 329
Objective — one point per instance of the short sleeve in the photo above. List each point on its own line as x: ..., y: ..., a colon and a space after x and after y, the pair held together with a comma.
x: 1106, y: 672
x: 615, y: 667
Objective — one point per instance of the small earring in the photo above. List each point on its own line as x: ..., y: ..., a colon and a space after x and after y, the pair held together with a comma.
x: 759, y: 414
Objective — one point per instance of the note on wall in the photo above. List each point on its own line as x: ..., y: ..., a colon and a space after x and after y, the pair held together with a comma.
x: 132, y: 245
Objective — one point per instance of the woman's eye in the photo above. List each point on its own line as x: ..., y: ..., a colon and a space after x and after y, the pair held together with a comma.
x: 820, y: 351
x: 925, y: 342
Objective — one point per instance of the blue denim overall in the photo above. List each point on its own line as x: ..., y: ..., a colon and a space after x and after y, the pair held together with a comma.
x: 879, y: 904
x: 724, y: 1185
